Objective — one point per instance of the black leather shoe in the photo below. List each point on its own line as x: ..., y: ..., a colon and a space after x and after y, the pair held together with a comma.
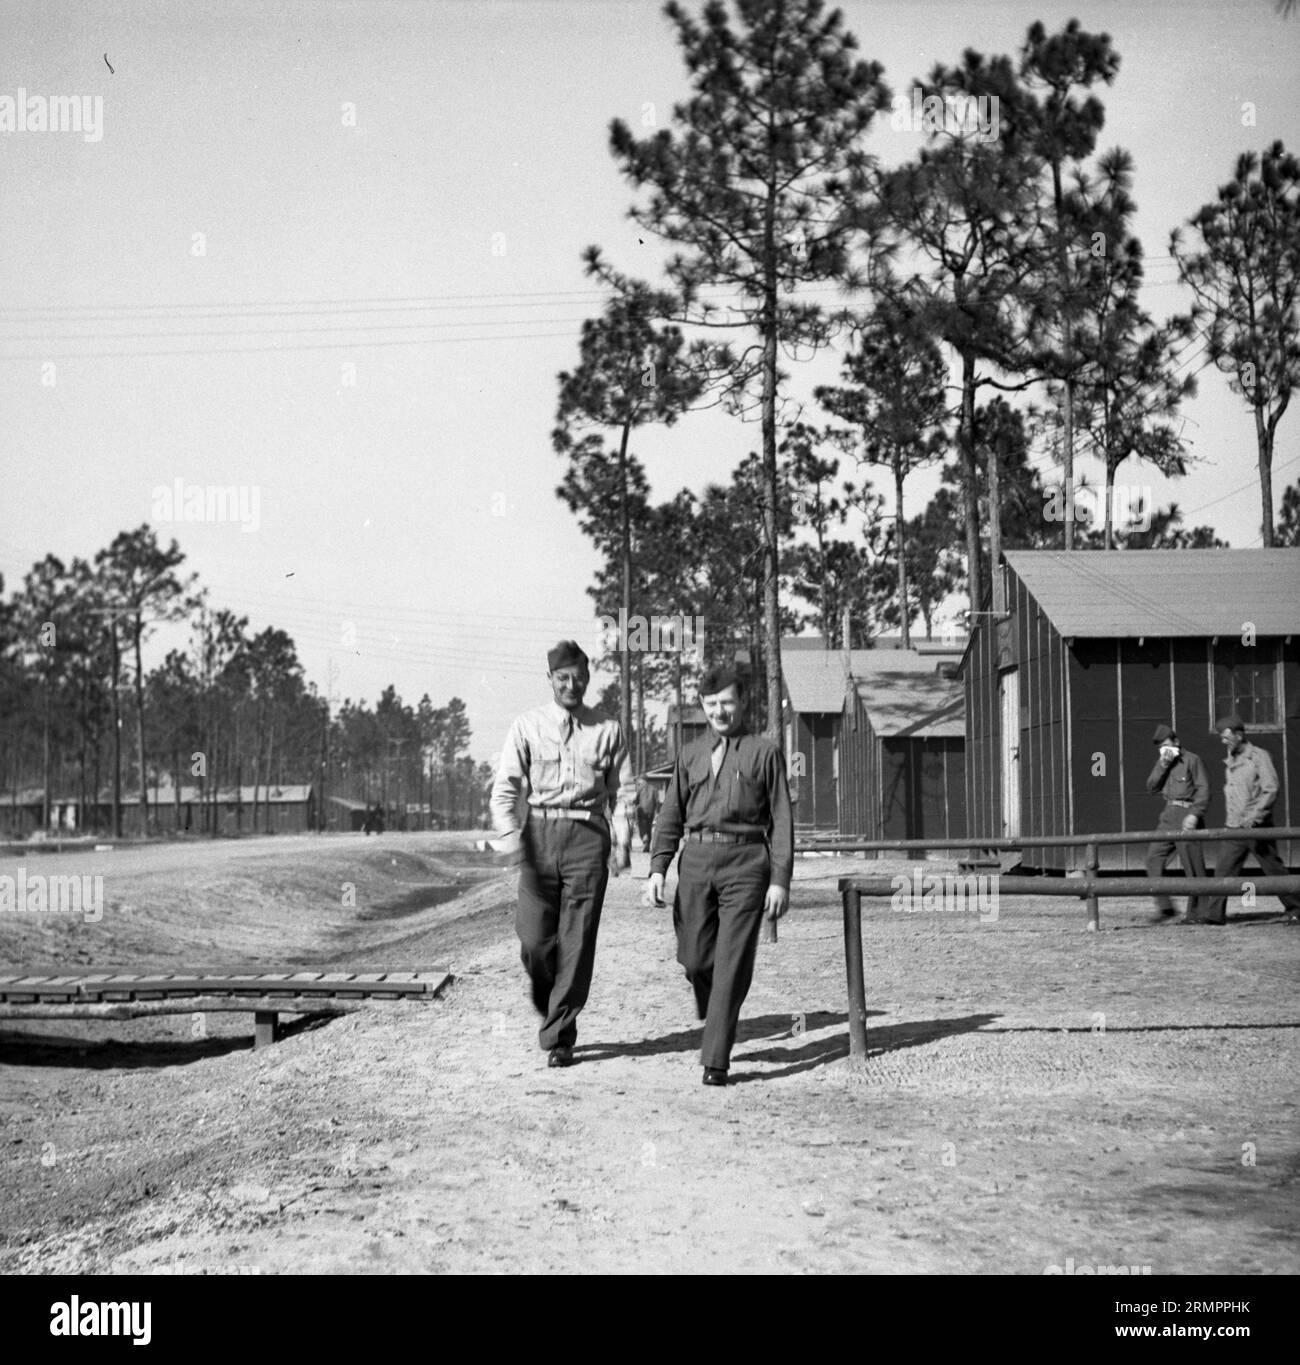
x: 560, y: 1056
x: 715, y: 1075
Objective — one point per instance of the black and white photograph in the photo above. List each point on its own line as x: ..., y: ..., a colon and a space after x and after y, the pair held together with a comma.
x: 560, y: 558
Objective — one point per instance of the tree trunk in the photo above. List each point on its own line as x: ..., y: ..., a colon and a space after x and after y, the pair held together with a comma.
x: 677, y: 749
x: 1067, y: 353
x: 904, y: 615
x: 995, y: 523
x: 270, y: 767
x: 1264, y: 440
x: 771, y: 565
x: 1068, y: 417
x: 45, y: 756
x: 138, y: 630
x: 970, y: 486
x: 640, y: 715
x: 117, y: 735
x: 625, y: 658
x: 1110, y: 504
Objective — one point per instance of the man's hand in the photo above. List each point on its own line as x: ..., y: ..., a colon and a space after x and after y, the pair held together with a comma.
x: 1167, y: 755
x: 776, y: 902
x: 654, y: 890
x: 507, y: 849
x: 1190, y: 822
x: 620, y: 858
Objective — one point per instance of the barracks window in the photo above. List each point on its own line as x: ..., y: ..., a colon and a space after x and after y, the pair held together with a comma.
x: 1246, y: 680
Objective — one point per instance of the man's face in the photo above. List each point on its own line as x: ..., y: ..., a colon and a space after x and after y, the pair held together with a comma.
x: 722, y: 710
x: 1233, y: 740
x: 570, y: 685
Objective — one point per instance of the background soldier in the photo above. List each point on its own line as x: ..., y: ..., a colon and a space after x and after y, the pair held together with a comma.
x: 728, y: 797
x: 574, y: 762
x: 648, y: 800
x: 1249, y: 790
x: 1180, y: 777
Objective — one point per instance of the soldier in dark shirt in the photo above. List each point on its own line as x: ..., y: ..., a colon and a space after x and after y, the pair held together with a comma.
x: 1179, y: 777
x: 728, y: 799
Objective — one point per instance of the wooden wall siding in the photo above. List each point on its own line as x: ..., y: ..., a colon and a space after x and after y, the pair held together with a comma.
x: 1103, y: 697
x: 983, y: 790
x: 1144, y: 673
x: 853, y: 778
x: 824, y: 732
x: 923, y: 784
x: 801, y: 787
x: 815, y: 737
x: 904, y: 787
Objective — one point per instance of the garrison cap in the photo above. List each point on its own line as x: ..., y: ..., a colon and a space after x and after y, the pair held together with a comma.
x: 1232, y: 721
x: 719, y: 677
x: 567, y: 654
x: 1164, y: 732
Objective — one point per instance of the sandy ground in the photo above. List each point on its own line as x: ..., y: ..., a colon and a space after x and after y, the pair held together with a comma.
x: 1033, y: 1092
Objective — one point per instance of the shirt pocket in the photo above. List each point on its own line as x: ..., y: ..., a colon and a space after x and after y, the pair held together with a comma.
x: 749, y: 800
x: 546, y: 769
x: 592, y: 762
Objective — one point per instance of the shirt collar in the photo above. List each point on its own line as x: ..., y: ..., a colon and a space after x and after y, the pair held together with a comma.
x: 716, y: 739
x: 561, y: 715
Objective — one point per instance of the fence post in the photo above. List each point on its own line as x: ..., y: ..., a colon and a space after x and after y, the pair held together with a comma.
x: 1090, y: 865
x: 857, y: 984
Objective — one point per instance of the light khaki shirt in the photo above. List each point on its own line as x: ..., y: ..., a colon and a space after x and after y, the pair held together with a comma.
x: 1249, y: 787
x: 575, y: 759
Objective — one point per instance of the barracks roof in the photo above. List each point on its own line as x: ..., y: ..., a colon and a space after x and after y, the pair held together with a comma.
x: 815, y: 681
x: 913, y: 702
x: 1110, y: 593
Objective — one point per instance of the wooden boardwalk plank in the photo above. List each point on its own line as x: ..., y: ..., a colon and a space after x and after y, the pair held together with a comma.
x: 90, y: 986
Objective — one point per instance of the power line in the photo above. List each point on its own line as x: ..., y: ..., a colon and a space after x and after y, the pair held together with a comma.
x: 274, y: 350
x: 284, y: 331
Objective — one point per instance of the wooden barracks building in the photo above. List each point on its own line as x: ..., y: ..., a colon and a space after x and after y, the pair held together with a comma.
x: 1094, y: 649
x: 876, y: 740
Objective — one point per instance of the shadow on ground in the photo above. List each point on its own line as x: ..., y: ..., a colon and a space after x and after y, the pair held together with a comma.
x: 785, y: 1060
x: 50, y: 1049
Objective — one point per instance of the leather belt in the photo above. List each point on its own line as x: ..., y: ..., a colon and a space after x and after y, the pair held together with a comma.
x: 718, y: 836
x: 566, y: 813
x: 1174, y: 802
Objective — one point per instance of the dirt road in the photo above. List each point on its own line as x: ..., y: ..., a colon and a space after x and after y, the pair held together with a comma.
x: 1034, y: 1093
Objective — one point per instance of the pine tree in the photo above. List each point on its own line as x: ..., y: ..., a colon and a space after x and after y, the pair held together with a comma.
x: 754, y: 187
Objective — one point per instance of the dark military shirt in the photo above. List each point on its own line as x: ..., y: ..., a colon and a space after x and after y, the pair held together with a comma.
x: 1184, y: 780
x: 749, y: 796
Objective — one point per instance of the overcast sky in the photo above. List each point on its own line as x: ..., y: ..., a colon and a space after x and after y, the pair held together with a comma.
x: 330, y: 252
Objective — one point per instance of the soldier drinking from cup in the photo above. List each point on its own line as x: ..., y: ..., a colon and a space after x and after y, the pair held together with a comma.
x: 1180, y: 777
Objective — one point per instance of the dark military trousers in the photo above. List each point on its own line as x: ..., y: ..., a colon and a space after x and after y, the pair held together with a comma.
x: 561, y: 892
x: 717, y: 913
x: 1231, y: 858
x: 1189, y: 854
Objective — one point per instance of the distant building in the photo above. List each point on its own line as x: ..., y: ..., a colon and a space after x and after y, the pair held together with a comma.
x: 903, y: 750
x: 290, y: 809
x: 873, y: 692
x: 1064, y: 691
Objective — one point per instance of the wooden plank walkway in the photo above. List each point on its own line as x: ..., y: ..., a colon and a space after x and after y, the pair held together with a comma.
x: 91, y: 986
x: 127, y: 995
